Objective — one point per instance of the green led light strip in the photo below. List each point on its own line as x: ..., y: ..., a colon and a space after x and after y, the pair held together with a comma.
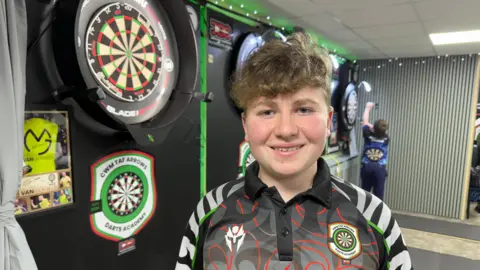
x: 203, y: 105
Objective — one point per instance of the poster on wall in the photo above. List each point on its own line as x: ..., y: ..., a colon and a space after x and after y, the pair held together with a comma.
x: 245, y: 158
x: 123, y: 196
x: 47, y: 178
x: 333, y: 139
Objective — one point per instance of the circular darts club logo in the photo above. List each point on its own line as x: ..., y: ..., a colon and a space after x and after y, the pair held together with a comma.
x: 344, y: 242
x: 245, y: 158
x: 123, y: 197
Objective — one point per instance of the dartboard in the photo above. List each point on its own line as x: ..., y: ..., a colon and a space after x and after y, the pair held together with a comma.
x: 125, y: 193
x: 126, y: 52
x: 352, y: 107
x: 129, y: 50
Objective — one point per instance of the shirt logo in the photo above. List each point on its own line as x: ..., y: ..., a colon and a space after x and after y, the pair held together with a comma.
x: 344, y: 242
x: 235, y: 236
x: 374, y: 154
x: 46, y: 144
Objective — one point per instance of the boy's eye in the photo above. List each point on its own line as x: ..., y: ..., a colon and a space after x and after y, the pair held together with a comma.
x: 304, y: 110
x: 266, y: 113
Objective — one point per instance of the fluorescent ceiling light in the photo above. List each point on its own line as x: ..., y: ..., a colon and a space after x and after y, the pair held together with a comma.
x: 455, y: 37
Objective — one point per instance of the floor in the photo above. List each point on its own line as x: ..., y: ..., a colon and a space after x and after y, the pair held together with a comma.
x: 441, y: 244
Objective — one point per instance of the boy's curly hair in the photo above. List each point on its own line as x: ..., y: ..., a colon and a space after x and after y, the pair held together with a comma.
x: 282, y: 68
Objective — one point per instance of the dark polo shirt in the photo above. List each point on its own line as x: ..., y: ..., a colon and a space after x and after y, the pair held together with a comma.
x: 245, y: 225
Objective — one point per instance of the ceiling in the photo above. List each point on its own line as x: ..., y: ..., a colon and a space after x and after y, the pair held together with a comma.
x: 371, y: 29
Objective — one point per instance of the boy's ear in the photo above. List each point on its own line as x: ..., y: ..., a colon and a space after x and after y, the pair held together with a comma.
x: 329, y: 120
x: 244, y: 125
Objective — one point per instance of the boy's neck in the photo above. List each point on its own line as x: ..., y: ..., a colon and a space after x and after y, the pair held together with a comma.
x: 290, y: 186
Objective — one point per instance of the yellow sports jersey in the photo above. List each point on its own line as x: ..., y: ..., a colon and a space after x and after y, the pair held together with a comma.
x: 63, y: 199
x: 44, y: 203
x: 66, y: 182
x: 40, y: 139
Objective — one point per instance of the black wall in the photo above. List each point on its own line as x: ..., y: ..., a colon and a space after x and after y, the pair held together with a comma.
x: 63, y: 239
x: 224, y: 125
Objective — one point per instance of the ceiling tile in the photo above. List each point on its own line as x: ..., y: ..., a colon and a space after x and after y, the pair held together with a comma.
x: 378, y: 15
x: 342, y: 35
x: 369, y: 54
x: 338, y: 6
x: 413, y: 50
x: 438, y: 9
x: 321, y: 21
x: 296, y: 8
x: 357, y: 45
x: 452, y: 24
x: 389, y: 31
x: 416, y: 40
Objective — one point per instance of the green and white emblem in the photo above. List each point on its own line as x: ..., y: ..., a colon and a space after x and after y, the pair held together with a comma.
x: 123, y: 195
x: 245, y: 158
x: 345, y: 242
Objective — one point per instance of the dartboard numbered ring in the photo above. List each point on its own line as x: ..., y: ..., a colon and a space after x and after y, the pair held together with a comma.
x: 129, y: 49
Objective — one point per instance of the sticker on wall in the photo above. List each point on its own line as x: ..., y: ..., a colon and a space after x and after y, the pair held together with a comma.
x: 220, y: 34
x: 123, y: 196
x: 245, y: 158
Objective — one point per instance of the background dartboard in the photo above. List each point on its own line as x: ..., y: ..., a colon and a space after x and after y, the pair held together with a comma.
x: 129, y: 50
x: 349, y: 107
x: 125, y: 193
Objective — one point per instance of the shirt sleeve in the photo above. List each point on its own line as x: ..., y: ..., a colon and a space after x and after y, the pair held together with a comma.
x: 190, y: 255
x: 366, y: 131
x: 395, y: 252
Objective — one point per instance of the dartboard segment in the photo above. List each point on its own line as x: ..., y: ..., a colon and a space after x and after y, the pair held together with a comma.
x: 124, y: 52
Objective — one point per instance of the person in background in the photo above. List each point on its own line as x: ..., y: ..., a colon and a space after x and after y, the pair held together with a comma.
x: 66, y: 182
x: 373, y: 172
x: 288, y: 211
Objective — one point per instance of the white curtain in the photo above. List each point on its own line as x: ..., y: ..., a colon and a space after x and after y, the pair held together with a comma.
x: 15, y: 253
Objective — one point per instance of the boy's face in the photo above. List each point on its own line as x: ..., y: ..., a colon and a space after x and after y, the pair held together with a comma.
x: 287, y: 134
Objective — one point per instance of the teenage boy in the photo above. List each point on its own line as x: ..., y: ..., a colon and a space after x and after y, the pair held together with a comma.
x: 373, y: 172
x: 288, y: 212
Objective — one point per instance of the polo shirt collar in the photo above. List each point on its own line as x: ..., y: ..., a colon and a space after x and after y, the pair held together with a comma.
x: 321, y: 189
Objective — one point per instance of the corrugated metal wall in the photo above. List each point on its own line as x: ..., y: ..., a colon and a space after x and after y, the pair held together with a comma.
x: 428, y: 103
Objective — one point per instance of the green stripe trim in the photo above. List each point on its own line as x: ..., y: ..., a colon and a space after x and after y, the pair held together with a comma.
x: 384, y: 241
x: 203, y: 105
x: 196, y: 240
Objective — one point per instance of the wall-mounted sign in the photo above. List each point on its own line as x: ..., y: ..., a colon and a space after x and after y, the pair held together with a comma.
x: 220, y: 34
x: 123, y: 198
x: 48, y: 181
